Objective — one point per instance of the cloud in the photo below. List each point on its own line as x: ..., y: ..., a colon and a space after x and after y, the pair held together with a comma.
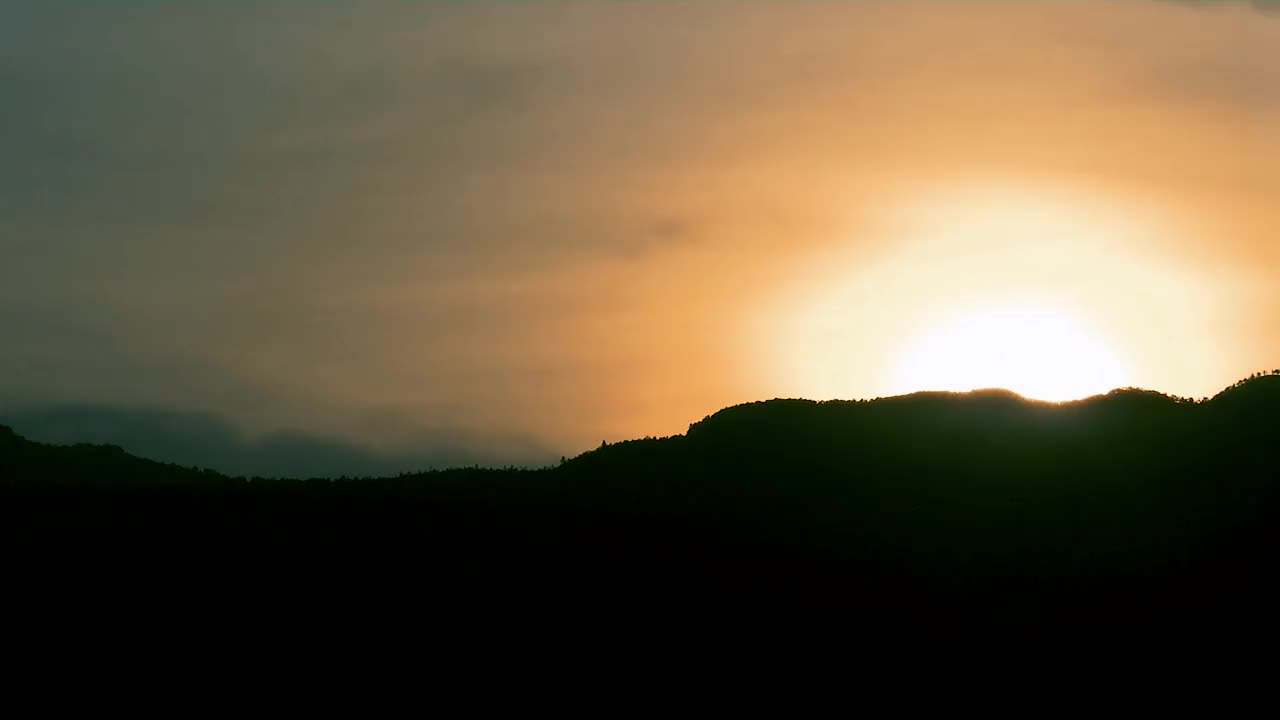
x: 1265, y: 6
x: 533, y: 217
x: 205, y: 440
x: 1221, y: 81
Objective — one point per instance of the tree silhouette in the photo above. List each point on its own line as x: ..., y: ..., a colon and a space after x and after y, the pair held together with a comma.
x: 940, y: 511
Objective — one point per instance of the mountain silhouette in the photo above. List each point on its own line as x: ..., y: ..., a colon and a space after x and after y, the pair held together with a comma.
x: 933, y: 513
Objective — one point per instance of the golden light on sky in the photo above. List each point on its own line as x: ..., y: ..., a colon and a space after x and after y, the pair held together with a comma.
x: 483, y: 226
x: 1050, y: 291
x: 1037, y: 352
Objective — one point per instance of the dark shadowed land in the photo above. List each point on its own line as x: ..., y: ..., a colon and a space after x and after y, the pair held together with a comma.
x: 932, y: 515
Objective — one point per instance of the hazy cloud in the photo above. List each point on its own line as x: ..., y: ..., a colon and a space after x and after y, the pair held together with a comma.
x: 557, y: 220
x: 204, y: 440
x: 1266, y: 6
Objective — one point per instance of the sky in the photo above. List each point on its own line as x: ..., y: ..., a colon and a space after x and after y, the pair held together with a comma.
x: 276, y: 237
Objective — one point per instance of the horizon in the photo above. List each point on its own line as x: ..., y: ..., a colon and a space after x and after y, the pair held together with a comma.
x: 262, y: 457
x: 328, y: 235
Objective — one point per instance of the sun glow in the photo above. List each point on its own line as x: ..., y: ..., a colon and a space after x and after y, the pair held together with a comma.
x: 1034, y: 351
x: 1052, y: 292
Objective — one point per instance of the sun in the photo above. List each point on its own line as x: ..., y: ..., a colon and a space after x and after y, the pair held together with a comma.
x: 1054, y: 291
x: 1037, y: 352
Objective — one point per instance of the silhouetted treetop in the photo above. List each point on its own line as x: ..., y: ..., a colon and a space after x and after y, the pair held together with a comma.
x: 930, y: 508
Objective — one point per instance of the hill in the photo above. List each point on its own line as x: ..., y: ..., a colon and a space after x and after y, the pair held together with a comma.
x: 935, y: 513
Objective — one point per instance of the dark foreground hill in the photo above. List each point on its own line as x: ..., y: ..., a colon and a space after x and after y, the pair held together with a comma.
x: 935, y: 514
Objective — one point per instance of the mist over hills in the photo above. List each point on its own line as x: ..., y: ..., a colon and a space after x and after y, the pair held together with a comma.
x: 208, y: 440
x: 932, y: 510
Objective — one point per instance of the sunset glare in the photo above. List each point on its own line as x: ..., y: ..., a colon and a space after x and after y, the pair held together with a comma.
x: 441, y: 233
x: 1036, y: 352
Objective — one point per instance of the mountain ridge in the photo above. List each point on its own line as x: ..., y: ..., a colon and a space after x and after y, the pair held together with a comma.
x: 927, y: 513
x: 1253, y: 392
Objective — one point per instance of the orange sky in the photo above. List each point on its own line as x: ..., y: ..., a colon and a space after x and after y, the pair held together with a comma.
x: 586, y: 221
